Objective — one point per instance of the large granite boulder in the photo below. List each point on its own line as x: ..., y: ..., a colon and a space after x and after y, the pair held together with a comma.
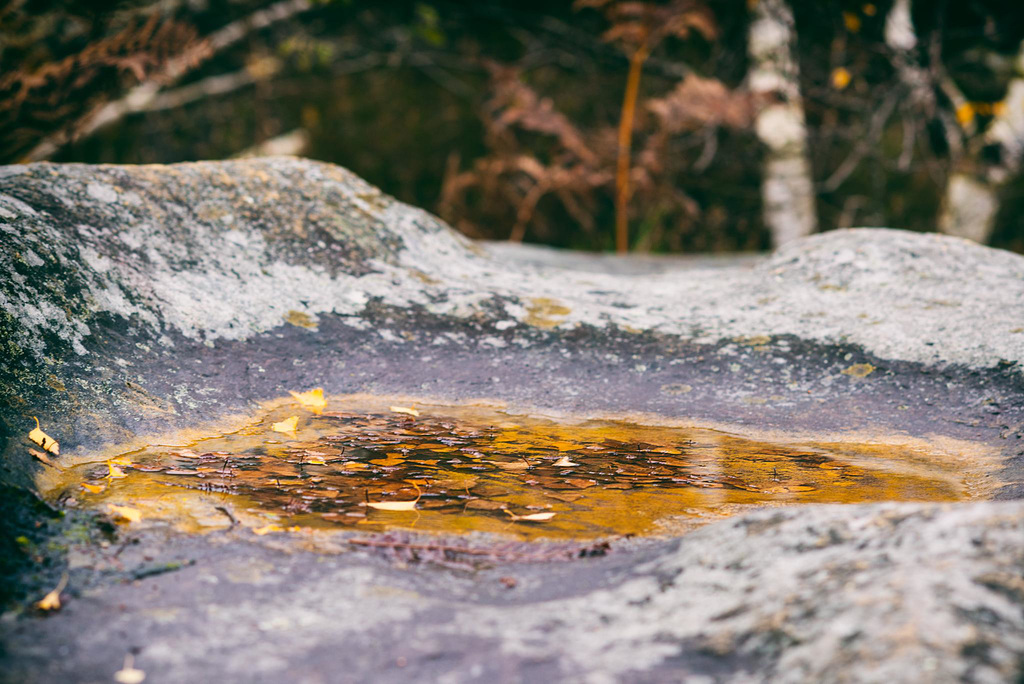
x: 138, y: 300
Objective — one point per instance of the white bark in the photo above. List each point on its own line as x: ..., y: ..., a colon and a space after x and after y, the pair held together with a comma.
x: 787, y: 190
x: 971, y: 202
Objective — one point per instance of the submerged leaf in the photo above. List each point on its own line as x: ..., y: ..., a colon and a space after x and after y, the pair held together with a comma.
x: 564, y: 462
x: 93, y: 488
x: 531, y: 517
x: 44, y: 440
x: 287, y: 426
x: 313, y: 399
x: 124, y: 513
x: 115, y: 472
x: 394, y: 505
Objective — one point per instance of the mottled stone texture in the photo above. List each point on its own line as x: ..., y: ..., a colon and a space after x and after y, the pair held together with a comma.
x: 135, y: 300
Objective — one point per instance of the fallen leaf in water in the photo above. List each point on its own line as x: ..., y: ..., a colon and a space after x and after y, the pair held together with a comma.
x: 129, y: 674
x: 580, y: 483
x: 115, y: 472
x: 121, y: 460
x: 313, y: 399
x: 531, y: 517
x: 315, y: 461
x: 43, y: 458
x: 52, y: 600
x: 394, y: 505
x: 287, y: 426
x: 567, y: 497
x: 484, y: 505
x: 564, y: 462
x: 398, y: 505
x: 267, y: 529
x: 44, y: 440
x: 511, y: 465
x: 93, y: 488
x: 124, y: 513
x: 405, y: 409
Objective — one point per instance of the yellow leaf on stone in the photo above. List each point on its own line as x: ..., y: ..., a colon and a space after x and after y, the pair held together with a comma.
x: 44, y: 440
x: 121, y: 460
x: 129, y: 674
x: 115, y: 472
x: 124, y: 513
x: 52, y: 600
x: 406, y: 410
x: 287, y: 426
x: 859, y: 370
x: 313, y: 399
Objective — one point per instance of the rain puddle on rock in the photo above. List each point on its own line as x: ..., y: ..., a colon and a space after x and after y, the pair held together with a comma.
x: 360, y: 465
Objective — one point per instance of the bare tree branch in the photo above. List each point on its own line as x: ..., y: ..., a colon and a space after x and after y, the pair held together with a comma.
x: 143, y: 95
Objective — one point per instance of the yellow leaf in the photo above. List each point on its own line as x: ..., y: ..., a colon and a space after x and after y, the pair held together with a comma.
x: 313, y: 399
x: 121, y: 460
x: 531, y: 517
x: 288, y: 425
x: 52, y: 600
x: 965, y: 114
x: 93, y: 489
x: 859, y: 370
x: 406, y: 410
x: 129, y: 674
x: 44, y: 440
x: 852, y: 22
x: 115, y: 472
x: 315, y: 461
x: 124, y: 513
x: 564, y: 462
x: 840, y: 78
x: 267, y: 529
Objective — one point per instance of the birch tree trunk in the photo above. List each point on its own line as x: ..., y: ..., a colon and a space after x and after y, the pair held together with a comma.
x: 972, y: 196
x: 787, y: 190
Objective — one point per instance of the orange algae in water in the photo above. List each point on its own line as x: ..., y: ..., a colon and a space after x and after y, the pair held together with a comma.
x: 451, y: 470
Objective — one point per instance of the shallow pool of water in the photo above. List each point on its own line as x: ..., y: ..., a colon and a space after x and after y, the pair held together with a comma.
x: 363, y: 465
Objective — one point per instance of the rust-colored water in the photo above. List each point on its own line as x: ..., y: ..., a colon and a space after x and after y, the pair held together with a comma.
x: 488, y: 471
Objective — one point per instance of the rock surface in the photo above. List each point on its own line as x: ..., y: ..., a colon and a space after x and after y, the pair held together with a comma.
x: 135, y: 300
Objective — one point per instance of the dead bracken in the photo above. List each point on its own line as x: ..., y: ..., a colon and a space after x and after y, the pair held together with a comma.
x: 444, y: 469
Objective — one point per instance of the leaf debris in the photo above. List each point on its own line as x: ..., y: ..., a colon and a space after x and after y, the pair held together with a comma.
x: 287, y: 426
x: 44, y: 440
x: 51, y: 602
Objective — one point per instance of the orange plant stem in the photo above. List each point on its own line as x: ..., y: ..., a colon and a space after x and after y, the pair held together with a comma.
x: 636, y: 63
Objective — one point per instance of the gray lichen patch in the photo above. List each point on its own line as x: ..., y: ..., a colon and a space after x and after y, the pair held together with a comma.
x: 226, y: 250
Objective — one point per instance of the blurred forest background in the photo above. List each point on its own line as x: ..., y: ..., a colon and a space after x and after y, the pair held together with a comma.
x: 676, y: 126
